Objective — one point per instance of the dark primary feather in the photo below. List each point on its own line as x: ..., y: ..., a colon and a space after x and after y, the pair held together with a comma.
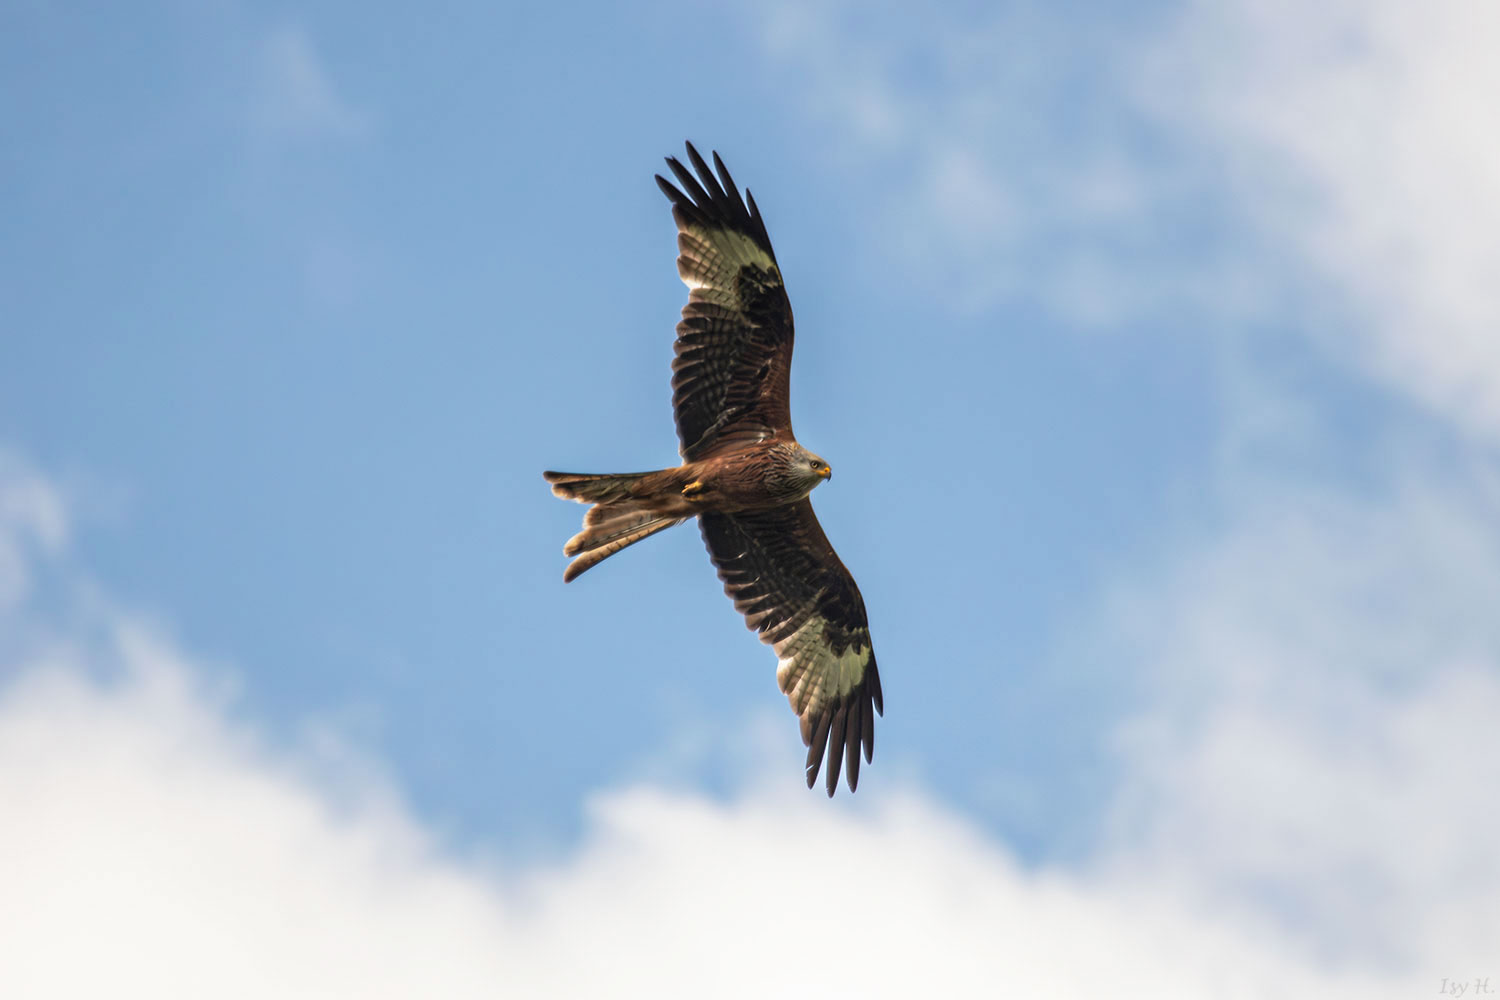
x: 783, y: 575
x: 734, y: 343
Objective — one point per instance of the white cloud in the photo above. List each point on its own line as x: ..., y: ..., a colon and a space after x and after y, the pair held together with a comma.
x: 1361, y: 816
x: 1227, y: 160
x: 1317, y: 754
x: 152, y: 845
x: 1360, y: 135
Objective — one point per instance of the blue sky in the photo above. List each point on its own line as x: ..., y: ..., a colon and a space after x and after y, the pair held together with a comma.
x: 1153, y: 352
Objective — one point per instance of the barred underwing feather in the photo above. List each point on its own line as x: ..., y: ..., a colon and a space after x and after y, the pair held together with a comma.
x: 783, y: 575
x: 734, y: 344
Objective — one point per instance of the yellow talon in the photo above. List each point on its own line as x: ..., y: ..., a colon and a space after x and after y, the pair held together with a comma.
x: 693, y: 488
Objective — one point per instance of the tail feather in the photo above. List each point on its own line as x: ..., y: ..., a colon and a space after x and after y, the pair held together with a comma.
x: 618, y: 518
x: 593, y: 489
x: 592, y: 549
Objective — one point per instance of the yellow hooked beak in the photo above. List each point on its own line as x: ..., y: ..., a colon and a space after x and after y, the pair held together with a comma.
x: 826, y: 472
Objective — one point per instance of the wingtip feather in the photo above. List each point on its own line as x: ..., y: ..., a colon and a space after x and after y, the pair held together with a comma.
x: 705, y: 175
x: 836, y: 748
x: 851, y: 748
x: 867, y: 733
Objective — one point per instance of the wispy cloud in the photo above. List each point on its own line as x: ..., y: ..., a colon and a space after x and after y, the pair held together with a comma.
x: 1357, y: 137
x: 32, y: 515
x: 1231, y: 160
x: 294, y: 95
x: 298, y: 117
x: 1011, y: 158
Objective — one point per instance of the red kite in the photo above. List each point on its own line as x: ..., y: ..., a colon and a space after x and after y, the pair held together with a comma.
x: 744, y: 476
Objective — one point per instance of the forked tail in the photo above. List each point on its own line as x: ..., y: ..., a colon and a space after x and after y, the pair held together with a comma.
x: 621, y: 515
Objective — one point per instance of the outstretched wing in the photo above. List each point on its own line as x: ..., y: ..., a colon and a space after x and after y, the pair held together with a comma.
x: 788, y: 582
x: 734, y: 344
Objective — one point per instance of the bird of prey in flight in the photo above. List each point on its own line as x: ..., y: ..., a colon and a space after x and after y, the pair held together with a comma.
x: 743, y: 474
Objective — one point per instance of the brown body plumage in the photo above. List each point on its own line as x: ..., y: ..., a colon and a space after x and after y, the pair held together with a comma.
x: 631, y: 506
x: 744, y: 476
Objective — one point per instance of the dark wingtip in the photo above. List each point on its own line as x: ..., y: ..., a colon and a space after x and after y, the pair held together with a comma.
x: 704, y: 174
x: 815, y: 748
x: 689, y: 183
x: 709, y: 200
x: 836, y: 739
x: 840, y: 735
x: 851, y: 746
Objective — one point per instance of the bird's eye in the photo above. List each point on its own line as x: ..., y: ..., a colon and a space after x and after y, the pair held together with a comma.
x: 817, y: 464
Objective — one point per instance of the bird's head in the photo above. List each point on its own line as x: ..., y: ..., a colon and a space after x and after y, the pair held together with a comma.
x: 820, y: 468
x: 811, y: 468
x: 795, y: 472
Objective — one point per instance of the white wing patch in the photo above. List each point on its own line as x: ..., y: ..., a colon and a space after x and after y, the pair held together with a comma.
x: 709, y: 260
x: 810, y: 674
x: 741, y: 249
